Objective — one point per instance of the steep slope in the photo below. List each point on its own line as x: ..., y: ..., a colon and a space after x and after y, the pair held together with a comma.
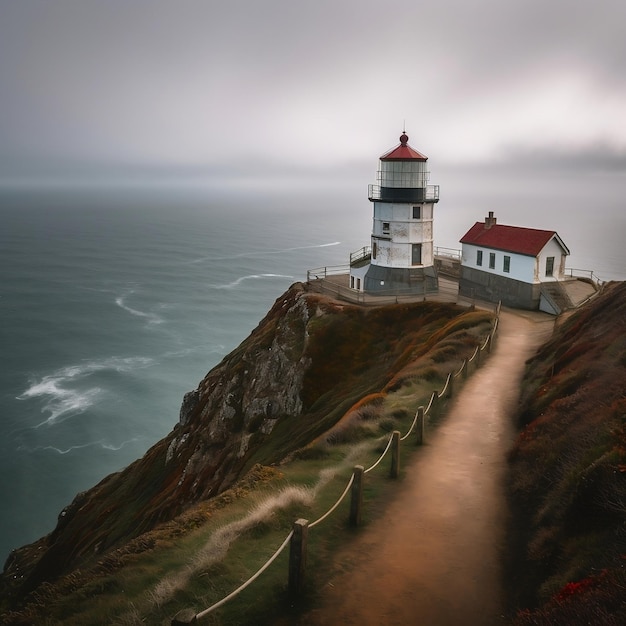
x: 308, y: 361
x: 568, y: 472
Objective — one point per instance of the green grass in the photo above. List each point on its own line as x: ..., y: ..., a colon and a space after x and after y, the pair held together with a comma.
x: 160, y: 573
x: 132, y: 593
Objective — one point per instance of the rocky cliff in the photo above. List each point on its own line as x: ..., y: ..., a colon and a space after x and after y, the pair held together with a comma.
x: 308, y: 361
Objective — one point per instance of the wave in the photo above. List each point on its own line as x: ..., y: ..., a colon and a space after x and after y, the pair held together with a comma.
x: 237, y: 282
x: 63, y: 400
x: 245, y: 255
x: 92, y: 444
x: 326, y: 245
x: 202, y: 348
x: 152, y: 318
x: 109, y: 446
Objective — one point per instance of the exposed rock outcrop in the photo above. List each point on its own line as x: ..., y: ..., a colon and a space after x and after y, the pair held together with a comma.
x: 299, y: 371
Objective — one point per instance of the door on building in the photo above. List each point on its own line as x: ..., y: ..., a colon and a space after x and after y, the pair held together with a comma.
x: 416, y: 254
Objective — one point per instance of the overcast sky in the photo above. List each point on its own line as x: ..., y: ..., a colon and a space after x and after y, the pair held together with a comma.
x: 275, y: 86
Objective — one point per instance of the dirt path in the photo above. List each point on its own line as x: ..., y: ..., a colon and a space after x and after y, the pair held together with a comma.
x: 435, y: 557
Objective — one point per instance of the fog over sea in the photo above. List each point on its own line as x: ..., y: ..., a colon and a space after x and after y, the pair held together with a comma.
x: 113, y: 305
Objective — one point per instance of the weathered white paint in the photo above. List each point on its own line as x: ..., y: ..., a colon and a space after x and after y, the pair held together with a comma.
x: 395, y: 230
x: 551, y: 249
x: 394, y: 243
x: 357, y: 277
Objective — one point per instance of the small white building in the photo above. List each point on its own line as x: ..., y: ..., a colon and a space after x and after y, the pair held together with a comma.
x: 512, y: 264
x: 400, y: 258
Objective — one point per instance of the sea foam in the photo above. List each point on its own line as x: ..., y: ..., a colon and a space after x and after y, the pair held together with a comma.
x: 260, y: 253
x: 61, y: 388
x: 152, y: 318
x: 92, y: 444
x: 238, y: 282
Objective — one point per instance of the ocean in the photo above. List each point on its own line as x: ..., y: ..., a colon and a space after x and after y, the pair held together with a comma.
x: 114, y: 304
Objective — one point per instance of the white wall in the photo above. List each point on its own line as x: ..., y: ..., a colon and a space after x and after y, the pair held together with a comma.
x: 552, y: 248
x: 394, y: 247
x: 358, y: 273
x: 402, y: 212
x: 522, y: 267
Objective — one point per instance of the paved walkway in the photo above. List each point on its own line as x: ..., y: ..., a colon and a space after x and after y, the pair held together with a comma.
x: 435, y: 557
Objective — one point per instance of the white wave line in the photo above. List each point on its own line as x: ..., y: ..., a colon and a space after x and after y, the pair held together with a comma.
x: 70, y: 449
x: 116, y: 448
x: 237, y: 282
x: 205, y: 349
x: 152, y: 318
x: 244, y: 255
x: 91, y: 444
x: 64, y: 401
x: 321, y: 245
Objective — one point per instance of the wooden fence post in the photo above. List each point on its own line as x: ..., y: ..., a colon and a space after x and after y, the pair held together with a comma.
x: 395, y: 454
x: 297, y: 556
x: 420, y: 426
x: 356, y: 502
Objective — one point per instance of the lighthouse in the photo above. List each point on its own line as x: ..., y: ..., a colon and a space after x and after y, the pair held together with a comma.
x: 400, y: 259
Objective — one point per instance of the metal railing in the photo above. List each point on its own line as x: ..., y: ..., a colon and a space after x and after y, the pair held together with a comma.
x: 451, y: 253
x: 430, y: 193
x: 588, y: 274
x: 360, y: 255
x: 329, y: 270
x: 322, y: 283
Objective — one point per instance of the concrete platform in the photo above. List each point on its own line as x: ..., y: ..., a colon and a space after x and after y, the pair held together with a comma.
x: 338, y: 286
x: 579, y: 290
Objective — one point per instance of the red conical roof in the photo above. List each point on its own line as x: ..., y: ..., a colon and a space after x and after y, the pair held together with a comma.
x: 403, y: 152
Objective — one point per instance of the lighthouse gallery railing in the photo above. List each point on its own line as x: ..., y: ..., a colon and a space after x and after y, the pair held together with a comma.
x: 430, y: 193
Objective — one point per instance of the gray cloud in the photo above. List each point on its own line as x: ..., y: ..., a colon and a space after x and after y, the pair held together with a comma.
x: 144, y: 83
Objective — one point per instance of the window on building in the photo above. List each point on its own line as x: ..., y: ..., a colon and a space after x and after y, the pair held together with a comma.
x: 351, y: 282
x: 385, y: 228
x: 550, y: 266
x: 492, y: 260
x: 416, y: 254
x: 417, y: 212
x: 506, y: 265
x: 374, y: 249
x: 479, y: 257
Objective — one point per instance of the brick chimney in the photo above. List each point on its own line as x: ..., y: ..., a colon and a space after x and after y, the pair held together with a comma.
x: 490, y: 221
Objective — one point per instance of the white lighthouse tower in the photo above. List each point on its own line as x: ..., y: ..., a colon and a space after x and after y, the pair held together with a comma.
x: 401, y: 257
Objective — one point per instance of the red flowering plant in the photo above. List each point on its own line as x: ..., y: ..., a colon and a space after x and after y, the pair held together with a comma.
x: 576, y: 588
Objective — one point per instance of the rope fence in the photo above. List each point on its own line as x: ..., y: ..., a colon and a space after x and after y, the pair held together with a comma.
x: 297, y: 537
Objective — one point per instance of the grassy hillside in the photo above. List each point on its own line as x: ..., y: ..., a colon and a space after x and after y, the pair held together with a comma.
x: 364, y: 372
x: 567, y: 477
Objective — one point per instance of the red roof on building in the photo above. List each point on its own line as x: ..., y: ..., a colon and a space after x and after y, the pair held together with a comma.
x: 527, y: 241
x: 403, y: 152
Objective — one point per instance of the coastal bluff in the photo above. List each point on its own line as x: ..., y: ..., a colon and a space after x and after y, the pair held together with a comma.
x: 316, y: 374
x: 301, y: 370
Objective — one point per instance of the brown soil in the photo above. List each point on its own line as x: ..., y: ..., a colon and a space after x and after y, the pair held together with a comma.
x: 435, y: 557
